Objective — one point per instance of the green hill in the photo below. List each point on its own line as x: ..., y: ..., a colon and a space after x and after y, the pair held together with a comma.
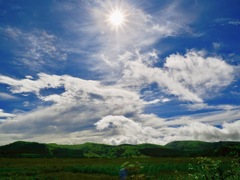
x: 93, y: 150
x: 24, y: 149
x: 200, y: 148
x: 191, y: 147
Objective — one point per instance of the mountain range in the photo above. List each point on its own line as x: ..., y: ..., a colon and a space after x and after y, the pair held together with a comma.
x: 93, y: 150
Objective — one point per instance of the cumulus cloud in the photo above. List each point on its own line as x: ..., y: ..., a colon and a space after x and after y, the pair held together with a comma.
x: 191, y: 77
x: 205, y: 132
x: 122, y: 130
x: 201, y: 75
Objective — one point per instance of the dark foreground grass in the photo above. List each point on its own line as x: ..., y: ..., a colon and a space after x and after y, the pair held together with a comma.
x: 93, y: 168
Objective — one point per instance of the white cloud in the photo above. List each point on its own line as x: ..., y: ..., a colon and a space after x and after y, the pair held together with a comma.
x: 60, y: 138
x: 36, y: 48
x: 116, y: 56
x: 124, y: 56
x: 78, y: 91
x: 142, y: 29
x: 119, y: 105
x: 115, y: 105
x: 199, y: 74
x: 191, y: 77
x: 6, y: 96
x: 71, y: 123
x: 28, y: 77
x: 7, y: 138
x: 217, y: 45
x: 234, y: 22
x: 205, y: 132
x: 155, y: 101
x: 5, y: 115
x: 121, y: 130
x: 216, y: 116
x: 81, y: 104
x: 228, y: 21
x: 139, y: 24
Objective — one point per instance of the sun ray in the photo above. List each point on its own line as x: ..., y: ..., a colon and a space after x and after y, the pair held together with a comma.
x: 116, y: 19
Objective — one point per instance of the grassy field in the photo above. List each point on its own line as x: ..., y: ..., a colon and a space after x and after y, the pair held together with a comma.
x: 95, y: 168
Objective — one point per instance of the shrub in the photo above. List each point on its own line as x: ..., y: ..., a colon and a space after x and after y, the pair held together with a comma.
x: 207, y: 168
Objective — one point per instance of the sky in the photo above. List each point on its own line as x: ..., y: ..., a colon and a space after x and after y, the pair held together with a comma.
x: 119, y: 71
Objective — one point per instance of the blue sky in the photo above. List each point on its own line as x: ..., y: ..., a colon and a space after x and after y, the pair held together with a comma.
x: 119, y: 71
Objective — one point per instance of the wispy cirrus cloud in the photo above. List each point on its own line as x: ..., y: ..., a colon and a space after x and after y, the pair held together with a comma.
x: 141, y: 29
x: 36, y: 48
x: 139, y: 24
x: 228, y: 21
x: 6, y: 96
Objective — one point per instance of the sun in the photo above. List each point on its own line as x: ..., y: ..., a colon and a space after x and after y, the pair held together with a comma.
x: 117, y: 19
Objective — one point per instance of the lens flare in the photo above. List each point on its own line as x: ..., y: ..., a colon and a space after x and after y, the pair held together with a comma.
x: 117, y: 19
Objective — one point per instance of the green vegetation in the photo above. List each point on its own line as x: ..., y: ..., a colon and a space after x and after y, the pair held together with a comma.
x: 92, y: 150
x: 105, y: 168
x: 176, y: 160
x: 207, y: 168
x: 199, y: 148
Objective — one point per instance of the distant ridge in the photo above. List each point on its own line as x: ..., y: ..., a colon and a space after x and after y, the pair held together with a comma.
x: 201, y: 148
x: 94, y: 150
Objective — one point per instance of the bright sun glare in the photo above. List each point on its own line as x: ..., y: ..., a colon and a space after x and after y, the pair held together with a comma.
x: 116, y: 19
